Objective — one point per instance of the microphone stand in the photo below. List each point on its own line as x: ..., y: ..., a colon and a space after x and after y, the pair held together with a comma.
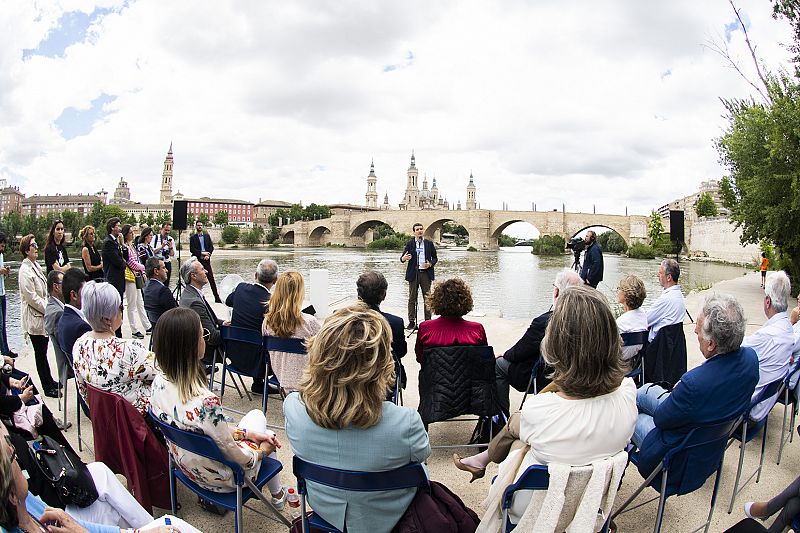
x: 416, y: 280
x: 179, y: 287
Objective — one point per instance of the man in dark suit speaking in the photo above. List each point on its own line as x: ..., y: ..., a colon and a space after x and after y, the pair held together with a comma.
x: 420, y: 257
x: 201, y: 247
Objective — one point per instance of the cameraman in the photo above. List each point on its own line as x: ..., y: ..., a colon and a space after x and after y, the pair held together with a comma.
x: 592, y: 271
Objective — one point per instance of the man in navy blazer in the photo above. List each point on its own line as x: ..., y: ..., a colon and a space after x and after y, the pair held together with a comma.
x: 249, y: 302
x: 158, y: 298
x: 201, y: 247
x: 72, y: 324
x: 718, y: 390
x: 420, y: 257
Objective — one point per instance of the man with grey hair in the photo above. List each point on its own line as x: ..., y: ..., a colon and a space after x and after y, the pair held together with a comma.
x: 716, y: 391
x: 774, y: 342
x: 195, y: 277
x: 514, y: 367
x: 249, y: 303
x: 670, y: 307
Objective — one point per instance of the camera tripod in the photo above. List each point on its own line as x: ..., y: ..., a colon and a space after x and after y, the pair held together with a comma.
x: 576, y: 265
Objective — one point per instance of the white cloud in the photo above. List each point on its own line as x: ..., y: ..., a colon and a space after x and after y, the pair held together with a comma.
x: 604, y: 104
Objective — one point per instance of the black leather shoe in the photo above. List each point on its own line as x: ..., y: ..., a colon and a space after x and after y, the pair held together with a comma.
x: 12, y: 355
x: 52, y: 392
x: 137, y: 335
x: 411, y: 325
x: 211, y: 508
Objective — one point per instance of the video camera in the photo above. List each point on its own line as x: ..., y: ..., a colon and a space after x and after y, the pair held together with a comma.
x: 576, y: 244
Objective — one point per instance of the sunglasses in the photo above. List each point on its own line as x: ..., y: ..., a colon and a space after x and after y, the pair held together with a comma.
x: 34, y: 245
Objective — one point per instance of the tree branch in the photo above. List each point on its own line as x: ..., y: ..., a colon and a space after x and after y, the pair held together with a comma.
x: 752, y: 52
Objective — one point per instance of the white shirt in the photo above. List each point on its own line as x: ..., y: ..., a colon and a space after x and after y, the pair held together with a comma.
x: 668, y: 309
x: 78, y: 311
x: 158, y: 244
x: 773, y: 344
x: 629, y: 322
x: 420, y: 253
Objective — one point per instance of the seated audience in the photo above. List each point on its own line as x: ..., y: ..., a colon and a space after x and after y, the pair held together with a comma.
x: 670, y: 307
x: 774, y: 342
x: 115, y: 511
x: 591, y: 411
x: 249, y: 303
x: 451, y: 299
x: 285, y: 319
x: 515, y: 366
x: 195, y: 277
x: 158, y: 298
x: 72, y: 324
x: 181, y: 398
x: 631, y: 294
x: 105, y: 361
x: 339, y: 419
x: 720, y: 389
x: 372, y: 287
x: 787, y: 502
x: 55, y: 302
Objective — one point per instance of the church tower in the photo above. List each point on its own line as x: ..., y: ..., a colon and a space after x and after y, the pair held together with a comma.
x: 471, y: 193
x: 435, y: 192
x: 166, y: 179
x: 122, y: 194
x: 372, y: 192
x: 411, y: 198
x: 385, y: 206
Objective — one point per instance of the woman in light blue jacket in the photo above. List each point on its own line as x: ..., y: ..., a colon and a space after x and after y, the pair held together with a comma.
x: 339, y: 419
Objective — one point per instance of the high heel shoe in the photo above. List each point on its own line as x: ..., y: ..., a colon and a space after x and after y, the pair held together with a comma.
x: 477, y: 473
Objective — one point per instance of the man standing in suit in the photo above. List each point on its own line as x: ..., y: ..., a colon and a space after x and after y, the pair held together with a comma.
x: 72, y: 324
x: 201, y: 247
x: 158, y: 298
x: 114, y: 260
x: 249, y: 303
x: 420, y: 256
x: 715, y: 391
x: 194, y: 277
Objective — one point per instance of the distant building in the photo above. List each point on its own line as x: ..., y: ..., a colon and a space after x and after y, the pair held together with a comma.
x: 265, y: 209
x: 122, y: 194
x: 343, y: 209
x: 10, y: 199
x: 166, y: 179
x: 240, y: 212
x: 58, y: 203
x: 687, y: 203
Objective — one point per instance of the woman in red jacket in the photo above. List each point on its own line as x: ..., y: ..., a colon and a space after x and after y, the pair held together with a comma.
x: 451, y: 299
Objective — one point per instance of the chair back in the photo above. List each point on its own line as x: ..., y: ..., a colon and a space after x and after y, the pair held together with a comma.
x: 245, y: 349
x: 457, y: 380
x: 665, y: 357
x: 280, y: 344
x: 698, y: 455
x: 536, y: 477
x: 633, y: 338
x: 196, y: 443
x: 773, y: 388
x: 408, y: 476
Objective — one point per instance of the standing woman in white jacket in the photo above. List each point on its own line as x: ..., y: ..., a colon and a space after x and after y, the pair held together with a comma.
x: 33, y: 298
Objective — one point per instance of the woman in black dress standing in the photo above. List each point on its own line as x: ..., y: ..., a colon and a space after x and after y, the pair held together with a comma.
x: 90, y: 255
x: 55, y: 251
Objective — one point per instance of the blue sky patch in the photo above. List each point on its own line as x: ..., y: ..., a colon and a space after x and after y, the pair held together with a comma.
x: 76, y: 122
x: 70, y: 29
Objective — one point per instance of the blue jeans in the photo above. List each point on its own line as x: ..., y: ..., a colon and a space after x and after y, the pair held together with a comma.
x: 3, y: 337
x: 648, y: 398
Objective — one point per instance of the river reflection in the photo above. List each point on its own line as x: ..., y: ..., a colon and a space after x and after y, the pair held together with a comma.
x: 511, y: 282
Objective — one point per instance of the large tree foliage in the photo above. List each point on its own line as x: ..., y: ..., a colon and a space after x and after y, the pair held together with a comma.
x: 761, y: 148
x: 655, y: 227
x: 705, y: 206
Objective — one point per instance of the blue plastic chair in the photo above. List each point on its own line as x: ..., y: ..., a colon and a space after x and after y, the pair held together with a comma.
x: 204, y: 446
x: 536, y: 477
x: 408, y: 476
x: 632, y: 339
x: 240, y: 338
x: 789, y: 401
x: 685, y: 468
x: 749, y: 430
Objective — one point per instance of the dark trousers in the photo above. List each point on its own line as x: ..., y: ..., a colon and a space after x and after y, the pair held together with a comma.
x: 788, y: 503
x: 168, y: 264
x: 207, y: 266
x: 4, y: 349
x: 42, y: 364
x: 413, y: 291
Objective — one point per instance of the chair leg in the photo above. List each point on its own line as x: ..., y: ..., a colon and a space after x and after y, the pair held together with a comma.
x: 739, y: 469
x: 249, y: 397
x: 78, y: 420
x: 222, y: 383
x: 763, y: 450
x: 524, y: 396
x: 238, y: 515
x: 173, y: 495
x: 786, y: 407
x: 303, y: 515
x: 714, y: 495
x: 794, y: 420
x: 661, y: 502
x: 66, y: 394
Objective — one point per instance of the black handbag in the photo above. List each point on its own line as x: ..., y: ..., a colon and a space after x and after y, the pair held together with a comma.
x: 62, y: 468
x: 139, y: 280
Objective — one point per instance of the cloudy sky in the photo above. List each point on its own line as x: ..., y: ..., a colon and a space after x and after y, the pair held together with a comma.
x: 609, y: 104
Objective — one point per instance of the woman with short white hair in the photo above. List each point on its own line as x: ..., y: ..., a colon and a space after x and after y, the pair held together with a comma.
x: 121, y: 366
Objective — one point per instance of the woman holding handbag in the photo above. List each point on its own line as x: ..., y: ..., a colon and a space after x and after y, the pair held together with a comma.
x: 143, y: 246
x: 134, y: 282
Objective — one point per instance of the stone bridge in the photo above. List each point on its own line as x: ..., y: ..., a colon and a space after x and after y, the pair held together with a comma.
x: 484, y: 226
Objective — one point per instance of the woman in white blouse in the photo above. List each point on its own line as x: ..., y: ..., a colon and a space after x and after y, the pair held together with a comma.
x: 101, y: 359
x: 631, y: 294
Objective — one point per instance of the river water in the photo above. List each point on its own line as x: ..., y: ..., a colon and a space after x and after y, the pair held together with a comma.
x: 512, y: 282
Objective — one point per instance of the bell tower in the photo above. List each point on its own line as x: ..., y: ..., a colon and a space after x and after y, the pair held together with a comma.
x: 372, y: 192
x: 166, y: 179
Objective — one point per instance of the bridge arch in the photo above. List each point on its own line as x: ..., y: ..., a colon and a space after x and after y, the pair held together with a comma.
x: 360, y: 229
x: 317, y: 235
x: 434, y: 227
x: 495, y: 235
x: 288, y: 237
x: 581, y: 231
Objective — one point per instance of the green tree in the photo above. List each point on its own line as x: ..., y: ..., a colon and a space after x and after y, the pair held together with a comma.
x: 728, y: 193
x: 705, y: 206
x: 296, y: 212
x: 548, y: 245
x: 151, y: 220
x: 506, y: 240
x: 190, y: 219
x: 12, y: 226
x: 612, y: 242
x: 655, y: 228
x: 203, y: 218
x: 382, y: 231
x: 162, y: 217
x: 455, y: 229
x: 99, y: 215
x: 221, y: 218
x: 274, y: 235
x: 230, y: 234
x: 249, y: 238
x: 314, y: 211
x: 73, y: 222
x: 258, y: 231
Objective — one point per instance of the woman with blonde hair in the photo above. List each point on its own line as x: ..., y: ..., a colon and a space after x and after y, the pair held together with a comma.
x: 590, y: 412
x: 181, y: 397
x: 631, y: 294
x: 340, y: 419
x: 286, y: 319
x: 90, y: 255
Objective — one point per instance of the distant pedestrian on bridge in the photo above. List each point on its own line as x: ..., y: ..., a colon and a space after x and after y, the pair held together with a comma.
x: 420, y: 256
x: 592, y: 271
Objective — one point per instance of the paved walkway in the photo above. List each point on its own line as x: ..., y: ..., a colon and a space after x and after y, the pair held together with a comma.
x: 682, y: 513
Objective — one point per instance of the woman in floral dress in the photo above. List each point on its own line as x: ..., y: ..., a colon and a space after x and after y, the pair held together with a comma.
x: 121, y: 366
x: 181, y: 397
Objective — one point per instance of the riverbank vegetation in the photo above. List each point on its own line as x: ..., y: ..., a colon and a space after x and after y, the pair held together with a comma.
x: 548, y: 245
x: 385, y: 238
x: 612, y: 242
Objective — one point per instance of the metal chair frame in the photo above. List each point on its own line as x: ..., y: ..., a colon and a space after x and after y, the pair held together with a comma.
x: 244, y: 336
x: 789, y: 401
